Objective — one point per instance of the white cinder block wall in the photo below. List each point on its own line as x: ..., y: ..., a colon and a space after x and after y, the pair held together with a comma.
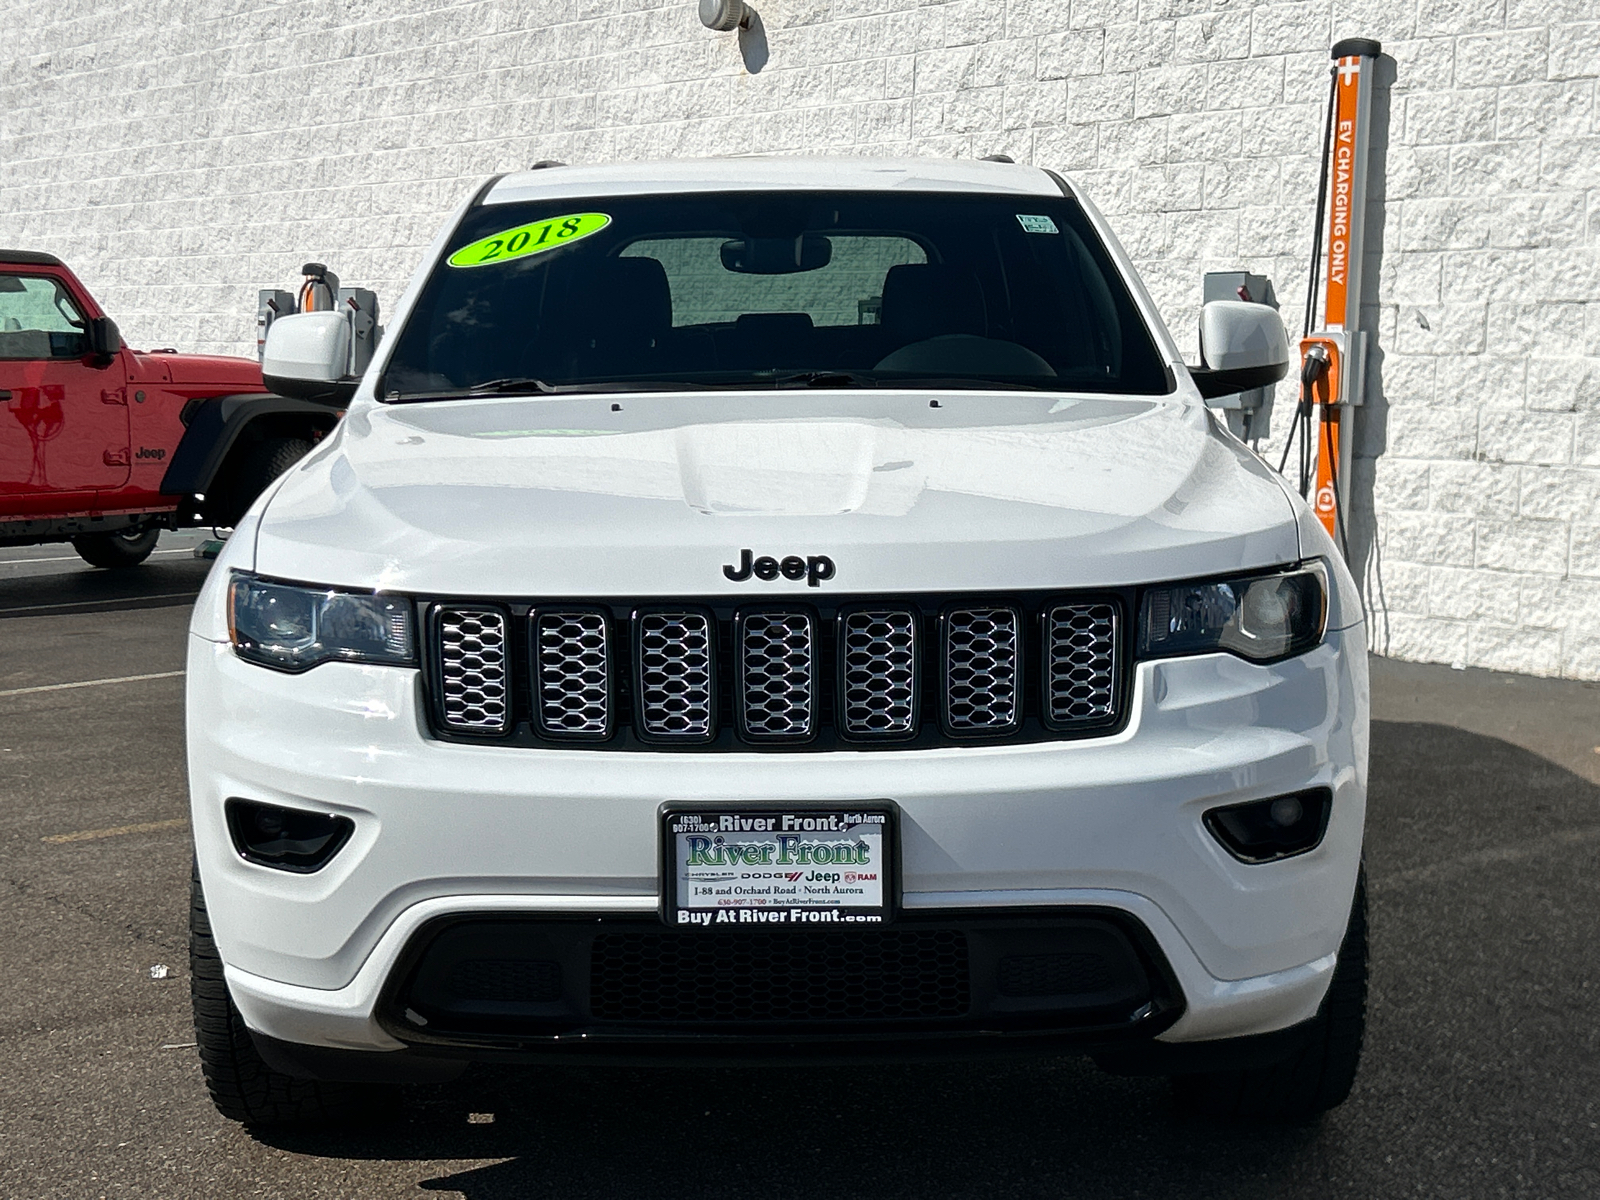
x: 182, y: 153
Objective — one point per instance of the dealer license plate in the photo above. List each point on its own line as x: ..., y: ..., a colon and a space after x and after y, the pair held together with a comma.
x: 769, y: 865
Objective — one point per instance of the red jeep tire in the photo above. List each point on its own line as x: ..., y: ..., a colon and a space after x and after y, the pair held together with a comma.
x: 126, y: 548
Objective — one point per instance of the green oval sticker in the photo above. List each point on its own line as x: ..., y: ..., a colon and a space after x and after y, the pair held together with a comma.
x: 532, y: 238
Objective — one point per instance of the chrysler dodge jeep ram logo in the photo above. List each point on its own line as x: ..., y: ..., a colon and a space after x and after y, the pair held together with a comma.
x: 813, y: 569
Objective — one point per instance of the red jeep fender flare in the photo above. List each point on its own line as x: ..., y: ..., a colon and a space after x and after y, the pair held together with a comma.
x: 215, y: 426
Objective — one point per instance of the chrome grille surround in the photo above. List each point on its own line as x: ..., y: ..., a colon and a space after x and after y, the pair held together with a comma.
x: 777, y: 654
x: 675, y: 657
x: 572, y: 664
x: 1080, y: 664
x: 879, y: 675
x: 982, y: 669
x: 474, y: 696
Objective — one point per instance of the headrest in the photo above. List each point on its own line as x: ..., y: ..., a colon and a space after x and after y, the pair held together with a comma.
x: 25, y: 343
x: 924, y: 300
x: 631, y: 295
x: 773, y: 325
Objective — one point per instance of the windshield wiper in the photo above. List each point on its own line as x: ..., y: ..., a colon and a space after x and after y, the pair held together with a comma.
x: 524, y: 383
x: 825, y: 379
x: 529, y: 385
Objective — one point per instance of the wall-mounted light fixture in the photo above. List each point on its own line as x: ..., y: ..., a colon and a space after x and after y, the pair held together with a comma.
x: 723, y: 15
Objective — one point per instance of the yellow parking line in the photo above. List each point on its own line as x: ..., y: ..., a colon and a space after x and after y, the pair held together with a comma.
x: 89, y: 835
x: 61, y: 687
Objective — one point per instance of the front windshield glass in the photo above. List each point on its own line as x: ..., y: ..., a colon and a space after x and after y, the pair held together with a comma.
x: 784, y: 289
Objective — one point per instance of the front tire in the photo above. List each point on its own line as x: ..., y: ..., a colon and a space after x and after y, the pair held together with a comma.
x: 126, y: 548
x: 242, y: 1086
x: 1317, y: 1078
x: 255, y: 471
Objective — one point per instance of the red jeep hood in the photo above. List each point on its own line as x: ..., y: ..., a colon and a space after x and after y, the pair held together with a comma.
x: 243, y: 374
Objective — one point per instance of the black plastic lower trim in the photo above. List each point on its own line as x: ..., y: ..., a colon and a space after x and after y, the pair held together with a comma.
x: 1219, y: 1054
x: 489, y: 985
x: 354, y: 1066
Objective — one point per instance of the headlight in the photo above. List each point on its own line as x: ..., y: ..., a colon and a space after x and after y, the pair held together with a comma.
x: 1260, y: 618
x: 295, y: 628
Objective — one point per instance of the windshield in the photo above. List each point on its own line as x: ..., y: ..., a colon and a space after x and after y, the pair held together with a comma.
x: 774, y: 289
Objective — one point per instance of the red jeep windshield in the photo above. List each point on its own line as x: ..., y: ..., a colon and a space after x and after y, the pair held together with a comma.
x: 775, y: 288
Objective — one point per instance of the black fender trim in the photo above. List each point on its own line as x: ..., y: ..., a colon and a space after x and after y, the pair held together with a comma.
x: 214, y: 427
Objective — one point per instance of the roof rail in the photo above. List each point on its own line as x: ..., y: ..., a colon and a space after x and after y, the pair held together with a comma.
x: 997, y: 158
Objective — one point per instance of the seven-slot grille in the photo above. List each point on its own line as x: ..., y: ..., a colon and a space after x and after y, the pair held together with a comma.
x: 879, y: 663
x: 677, y: 680
x: 777, y: 676
x: 472, y: 660
x: 982, y: 669
x: 1080, y: 663
x: 572, y: 666
x: 891, y: 672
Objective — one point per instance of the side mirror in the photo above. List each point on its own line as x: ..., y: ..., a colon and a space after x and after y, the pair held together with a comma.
x: 1242, y: 346
x: 104, y: 338
x: 307, y: 356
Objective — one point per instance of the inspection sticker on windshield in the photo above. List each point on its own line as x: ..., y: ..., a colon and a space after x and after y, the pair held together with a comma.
x: 766, y: 865
x: 532, y: 238
x: 1037, y: 224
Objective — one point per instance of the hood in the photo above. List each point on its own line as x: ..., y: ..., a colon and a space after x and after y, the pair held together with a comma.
x: 643, y: 495
x: 211, y: 371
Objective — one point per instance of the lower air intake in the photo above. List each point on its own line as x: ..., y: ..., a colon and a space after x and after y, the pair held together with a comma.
x: 697, y: 977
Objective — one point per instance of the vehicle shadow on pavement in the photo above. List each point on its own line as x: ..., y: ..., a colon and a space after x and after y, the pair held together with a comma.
x: 913, y: 1130
x: 1480, y: 1071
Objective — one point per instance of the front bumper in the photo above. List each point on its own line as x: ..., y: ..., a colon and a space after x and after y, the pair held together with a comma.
x: 1110, y: 823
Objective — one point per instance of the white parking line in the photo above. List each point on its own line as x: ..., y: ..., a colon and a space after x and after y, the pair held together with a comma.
x: 108, y: 600
x: 15, y: 562
x: 61, y: 687
x: 91, y: 835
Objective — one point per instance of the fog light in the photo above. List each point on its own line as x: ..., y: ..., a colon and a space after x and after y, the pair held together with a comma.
x: 1266, y: 830
x: 289, y: 839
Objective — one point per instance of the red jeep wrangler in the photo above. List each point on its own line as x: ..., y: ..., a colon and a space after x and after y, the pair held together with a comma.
x: 104, y: 446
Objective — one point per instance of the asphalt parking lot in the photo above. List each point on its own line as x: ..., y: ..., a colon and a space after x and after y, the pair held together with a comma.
x: 1481, y: 1078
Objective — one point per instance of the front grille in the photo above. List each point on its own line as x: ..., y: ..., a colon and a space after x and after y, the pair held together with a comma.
x: 891, y: 673
x: 880, y: 672
x: 472, y: 669
x: 572, y: 656
x: 676, y: 683
x: 1081, y: 662
x: 982, y: 675
x: 668, y: 976
x: 777, y: 675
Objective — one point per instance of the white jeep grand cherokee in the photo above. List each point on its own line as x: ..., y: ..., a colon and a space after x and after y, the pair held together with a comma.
x: 770, y: 606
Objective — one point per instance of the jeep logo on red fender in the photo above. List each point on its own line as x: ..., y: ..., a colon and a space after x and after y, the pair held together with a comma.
x: 813, y: 568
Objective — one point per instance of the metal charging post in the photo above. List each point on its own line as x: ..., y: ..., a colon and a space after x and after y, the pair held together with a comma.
x: 1336, y: 375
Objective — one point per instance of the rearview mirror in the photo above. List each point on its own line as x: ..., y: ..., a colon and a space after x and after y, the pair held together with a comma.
x: 307, y: 356
x: 1242, y: 346
x: 777, y: 255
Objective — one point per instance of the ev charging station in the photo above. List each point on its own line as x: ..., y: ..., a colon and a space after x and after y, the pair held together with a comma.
x: 1334, y: 349
x: 320, y: 292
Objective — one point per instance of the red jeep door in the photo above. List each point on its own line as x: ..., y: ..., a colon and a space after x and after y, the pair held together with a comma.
x: 64, y: 424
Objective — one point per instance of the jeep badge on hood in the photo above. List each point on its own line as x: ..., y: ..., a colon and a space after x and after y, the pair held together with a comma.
x: 813, y: 568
